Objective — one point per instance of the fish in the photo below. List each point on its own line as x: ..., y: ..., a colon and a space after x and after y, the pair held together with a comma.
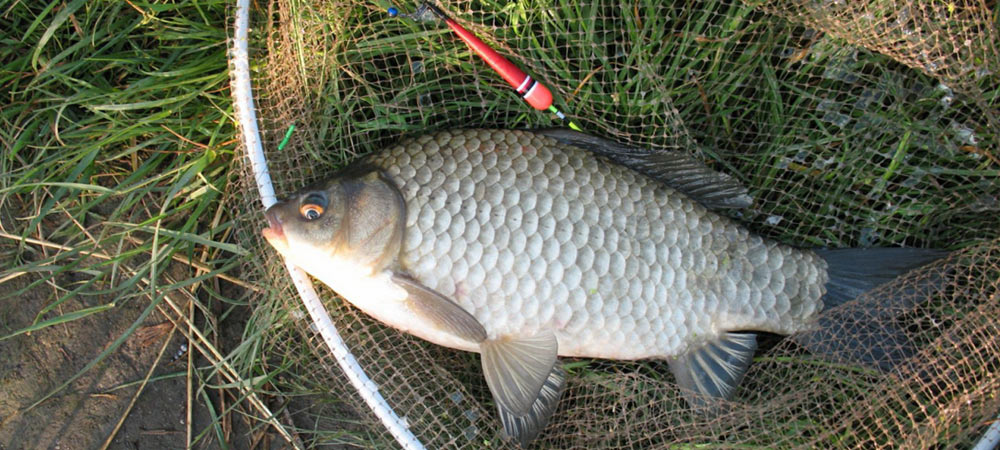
x: 526, y: 246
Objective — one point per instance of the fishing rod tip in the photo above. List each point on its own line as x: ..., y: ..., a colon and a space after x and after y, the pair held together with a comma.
x: 393, y: 12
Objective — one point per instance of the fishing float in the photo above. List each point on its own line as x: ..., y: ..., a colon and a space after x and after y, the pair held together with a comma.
x: 531, y: 90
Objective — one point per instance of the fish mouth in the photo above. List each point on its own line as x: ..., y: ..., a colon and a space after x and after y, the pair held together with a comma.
x: 274, y: 233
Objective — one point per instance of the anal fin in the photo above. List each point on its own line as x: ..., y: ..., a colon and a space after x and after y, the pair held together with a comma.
x: 714, y: 369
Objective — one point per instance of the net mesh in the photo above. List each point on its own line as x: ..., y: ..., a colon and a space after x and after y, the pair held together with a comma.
x: 853, y: 123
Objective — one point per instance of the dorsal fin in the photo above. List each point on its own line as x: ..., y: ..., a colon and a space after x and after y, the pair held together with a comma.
x: 713, y: 189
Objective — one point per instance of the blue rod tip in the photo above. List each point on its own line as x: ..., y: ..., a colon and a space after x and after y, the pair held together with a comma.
x: 393, y: 12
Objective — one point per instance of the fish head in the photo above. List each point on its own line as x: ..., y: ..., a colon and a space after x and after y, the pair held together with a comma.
x: 352, y: 222
x: 306, y: 225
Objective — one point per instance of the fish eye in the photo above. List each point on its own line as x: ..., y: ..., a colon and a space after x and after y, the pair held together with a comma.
x: 311, y: 212
x: 312, y: 207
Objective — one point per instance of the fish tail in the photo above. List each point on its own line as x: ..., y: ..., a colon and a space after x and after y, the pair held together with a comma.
x: 863, y: 333
x: 867, y: 333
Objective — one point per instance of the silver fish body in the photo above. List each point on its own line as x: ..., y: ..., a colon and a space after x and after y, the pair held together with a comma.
x: 529, y: 234
x: 523, y: 246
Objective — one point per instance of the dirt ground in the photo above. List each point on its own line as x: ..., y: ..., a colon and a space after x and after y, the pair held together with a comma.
x: 83, y: 415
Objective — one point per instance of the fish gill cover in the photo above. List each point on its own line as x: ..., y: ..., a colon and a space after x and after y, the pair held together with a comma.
x: 853, y: 124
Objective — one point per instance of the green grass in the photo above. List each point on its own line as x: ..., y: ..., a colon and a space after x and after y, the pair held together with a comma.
x: 120, y: 149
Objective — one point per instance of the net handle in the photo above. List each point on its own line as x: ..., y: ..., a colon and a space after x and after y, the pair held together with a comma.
x: 247, y: 120
x: 991, y: 438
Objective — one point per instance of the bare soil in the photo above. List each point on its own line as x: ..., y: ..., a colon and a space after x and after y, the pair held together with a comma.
x: 84, y: 414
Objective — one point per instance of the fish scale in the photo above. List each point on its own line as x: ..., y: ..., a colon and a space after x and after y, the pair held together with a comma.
x: 529, y: 234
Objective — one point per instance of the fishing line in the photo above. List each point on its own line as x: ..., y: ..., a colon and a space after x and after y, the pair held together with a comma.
x: 530, y: 90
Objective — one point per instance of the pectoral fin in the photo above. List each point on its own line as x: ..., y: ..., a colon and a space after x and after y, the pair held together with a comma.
x: 714, y: 369
x: 440, y: 310
x: 525, y: 380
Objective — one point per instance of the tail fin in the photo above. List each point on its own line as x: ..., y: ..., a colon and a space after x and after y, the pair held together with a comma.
x: 867, y: 334
x: 855, y: 271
